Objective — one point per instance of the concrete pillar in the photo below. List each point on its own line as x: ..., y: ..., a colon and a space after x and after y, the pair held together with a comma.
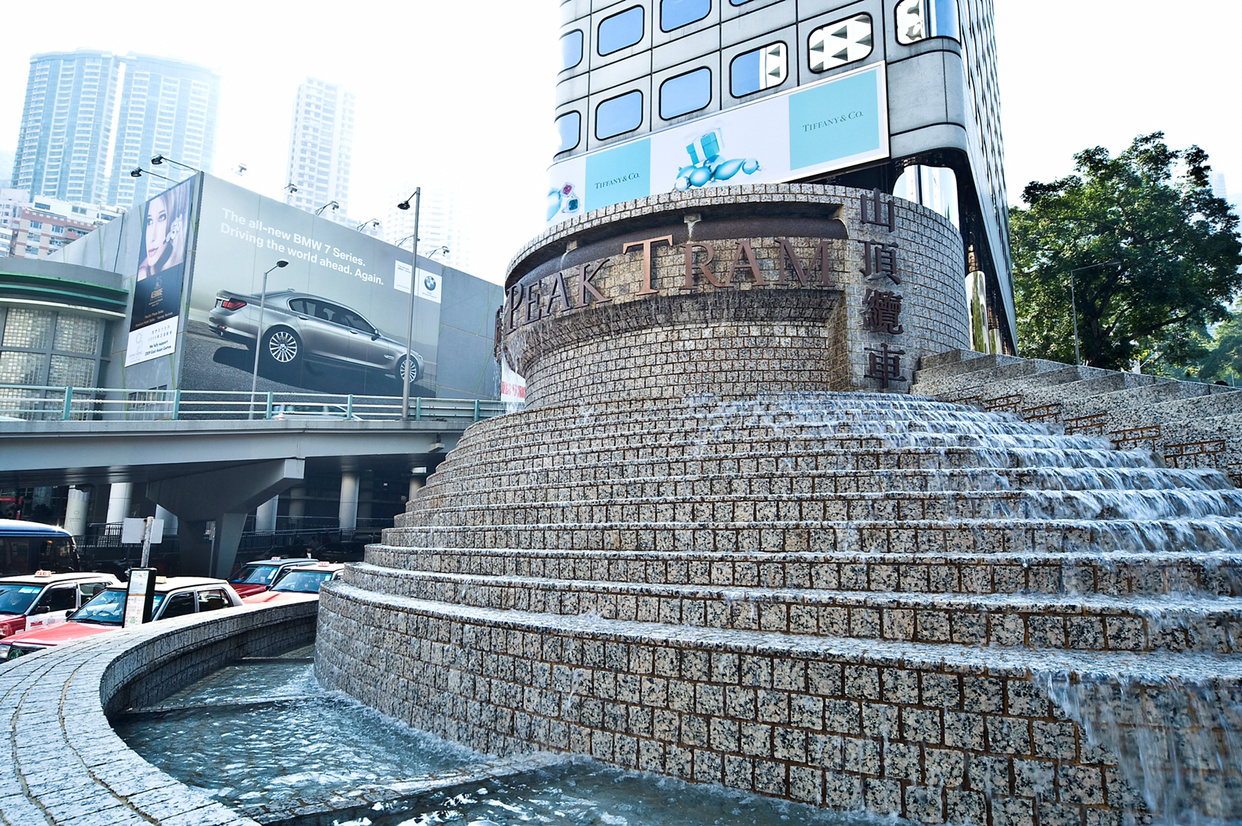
x: 170, y: 520
x: 119, y: 496
x: 348, y: 514
x: 75, y: 512
x: 297, y: 503
x: 265, y: 516
x: 213, y: 555
x: 416, y: 484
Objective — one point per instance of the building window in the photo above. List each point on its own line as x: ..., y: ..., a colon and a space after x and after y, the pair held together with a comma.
x: 758, y: 69
x: 618, y: 115
x: 844, y: 41
x: 677, y: 13
x: 27, y: 329
x: 571, y: 49
x: 621, y: 30
x: 77, y: 334
x: 920, y: 19
x: 685, y: 93
x: 21, y: 368
x: 569, y: 127
x: 64, y: 371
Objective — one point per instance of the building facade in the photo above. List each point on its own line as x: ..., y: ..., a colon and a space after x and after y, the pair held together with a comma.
x: 895, y: 95
x: 321, y: 149
x: 37, y: 233
x: 167, y: 107
x: 67, y: 147
x: 66, y: 131
x: 35, y: 228
x: 440, y: 225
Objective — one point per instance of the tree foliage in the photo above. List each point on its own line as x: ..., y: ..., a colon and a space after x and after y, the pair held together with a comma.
x: 1154, y: 256
x: 1224, y: 359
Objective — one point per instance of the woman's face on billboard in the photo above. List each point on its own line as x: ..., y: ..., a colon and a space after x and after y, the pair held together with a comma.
x: 157, y: 231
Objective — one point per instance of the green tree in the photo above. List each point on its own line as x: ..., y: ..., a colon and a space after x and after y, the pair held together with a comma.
x: 1224, y: 360
x: 1153, y: 255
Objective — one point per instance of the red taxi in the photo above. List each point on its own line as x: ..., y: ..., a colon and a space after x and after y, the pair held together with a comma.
x: 174, y: 597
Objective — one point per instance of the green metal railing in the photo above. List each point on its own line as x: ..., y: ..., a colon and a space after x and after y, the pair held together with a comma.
x: 42, y: 403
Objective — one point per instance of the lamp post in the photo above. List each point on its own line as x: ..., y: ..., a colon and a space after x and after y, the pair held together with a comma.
x: 335, y: 206
x: 160, y: 159
x: 138, y: 172
x: 1074, y: 301
x: 258, y: 334
x: 409, y: 324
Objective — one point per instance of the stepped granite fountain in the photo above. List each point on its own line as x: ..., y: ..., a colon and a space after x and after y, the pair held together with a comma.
x: 723, y: 542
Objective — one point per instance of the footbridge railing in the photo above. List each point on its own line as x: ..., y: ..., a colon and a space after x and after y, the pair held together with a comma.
x: 50, y: 403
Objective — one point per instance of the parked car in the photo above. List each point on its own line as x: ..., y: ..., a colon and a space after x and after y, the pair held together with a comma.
x: 312, y: 412
x: 256, y: 577
x: 297, y: 584
x: 351, y: 551
x: 298, y: 326
x: 174, y: 597
x: 44, y: 598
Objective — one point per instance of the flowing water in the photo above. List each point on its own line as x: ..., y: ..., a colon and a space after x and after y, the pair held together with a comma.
x: 262, y: 736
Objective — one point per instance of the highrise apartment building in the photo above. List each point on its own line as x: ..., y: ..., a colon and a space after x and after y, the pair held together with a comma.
x: 66, y: 131
x: 440, y: 224
x: 895, y: 95
x: 166, y: 108
x: 67, y: 147
x: 320, y: 149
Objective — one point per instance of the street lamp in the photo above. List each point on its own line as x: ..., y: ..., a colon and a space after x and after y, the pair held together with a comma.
x: 409, y: 324
x: 159, y: 159
x: 1074, y: 301
x: 335, y: 206
x: 374, y: 222
x: 258, y: 334
x: 138, y: 172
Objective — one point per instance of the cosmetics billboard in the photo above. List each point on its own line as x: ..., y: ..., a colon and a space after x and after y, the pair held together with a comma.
x: 813, y: 129
x: 160, y: 274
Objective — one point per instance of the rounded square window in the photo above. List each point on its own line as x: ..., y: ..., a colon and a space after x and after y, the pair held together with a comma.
x: 569, y: 128
x: 920, y: 19
x: 571, y: 49
x: 685, y: 93
x: 911, y: 21
x: 677, y: 13
x: 840, y: 42
x: 618, y: 115
x: 738, y: 2
x: 758, y: 69
x: 621, y: 30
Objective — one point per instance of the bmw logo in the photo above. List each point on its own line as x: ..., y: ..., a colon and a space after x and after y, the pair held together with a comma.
x: 429, y: 283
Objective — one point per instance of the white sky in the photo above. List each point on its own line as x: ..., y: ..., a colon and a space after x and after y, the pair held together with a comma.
x: 461, y: 94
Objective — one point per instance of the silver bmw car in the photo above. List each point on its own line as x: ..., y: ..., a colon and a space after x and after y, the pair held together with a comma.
x: 298, y: 326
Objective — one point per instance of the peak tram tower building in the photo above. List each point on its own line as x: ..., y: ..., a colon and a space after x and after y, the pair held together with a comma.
x: 895, y: 95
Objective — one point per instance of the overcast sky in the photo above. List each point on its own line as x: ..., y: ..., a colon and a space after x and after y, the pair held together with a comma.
x: 461, y: 94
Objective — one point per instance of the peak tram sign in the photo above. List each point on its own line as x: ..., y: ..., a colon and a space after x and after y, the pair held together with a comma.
x: 731, y: 292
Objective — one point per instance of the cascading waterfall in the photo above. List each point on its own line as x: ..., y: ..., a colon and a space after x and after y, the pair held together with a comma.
x: 887, y: 529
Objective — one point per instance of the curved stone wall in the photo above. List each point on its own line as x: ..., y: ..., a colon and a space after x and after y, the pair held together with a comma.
x: 69, y: 766
x: 735, y: 291
x: 689, y: 555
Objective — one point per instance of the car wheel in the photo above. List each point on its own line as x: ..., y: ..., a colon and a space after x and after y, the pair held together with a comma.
x: 401, y: 369
x: 282, y: 346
